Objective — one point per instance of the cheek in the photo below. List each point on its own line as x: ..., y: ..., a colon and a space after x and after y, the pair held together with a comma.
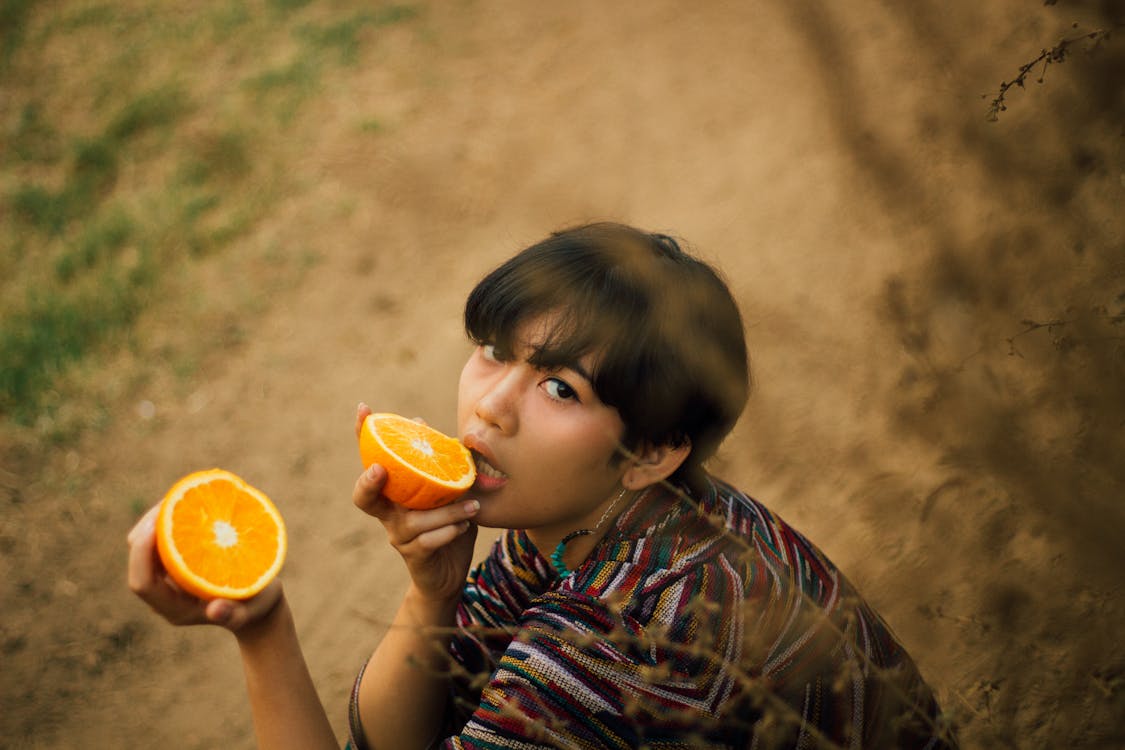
x: 588, y: 444
x: 464, y: 397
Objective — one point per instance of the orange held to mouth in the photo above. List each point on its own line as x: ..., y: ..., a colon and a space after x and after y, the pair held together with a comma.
x: 425, y: 468
x: 218, y: 537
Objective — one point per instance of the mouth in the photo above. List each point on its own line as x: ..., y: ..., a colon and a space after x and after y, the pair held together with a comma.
x: 488, y: 476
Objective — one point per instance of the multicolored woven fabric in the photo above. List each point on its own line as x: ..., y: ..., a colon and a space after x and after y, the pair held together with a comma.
x: 702, y: 623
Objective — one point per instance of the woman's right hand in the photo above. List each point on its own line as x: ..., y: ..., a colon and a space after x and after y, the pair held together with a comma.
x: 437, y: 545
x: 149, y: 581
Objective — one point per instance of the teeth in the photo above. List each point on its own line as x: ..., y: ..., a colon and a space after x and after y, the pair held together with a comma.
x: 483, y: 467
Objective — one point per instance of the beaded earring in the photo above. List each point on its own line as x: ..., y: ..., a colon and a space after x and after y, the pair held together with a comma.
x: 557, y: 556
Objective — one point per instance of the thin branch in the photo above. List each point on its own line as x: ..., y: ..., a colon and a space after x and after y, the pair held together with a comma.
x: 1052, y: 325
x: 1032, y: 325
x: 1056, y: 54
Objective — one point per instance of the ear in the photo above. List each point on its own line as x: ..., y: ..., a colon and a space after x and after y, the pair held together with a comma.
x: 653, y: 463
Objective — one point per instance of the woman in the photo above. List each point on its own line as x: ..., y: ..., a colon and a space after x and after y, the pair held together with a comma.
x: 635, y: 600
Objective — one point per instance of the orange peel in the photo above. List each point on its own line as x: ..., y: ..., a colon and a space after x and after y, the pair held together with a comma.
x: 425, y: 468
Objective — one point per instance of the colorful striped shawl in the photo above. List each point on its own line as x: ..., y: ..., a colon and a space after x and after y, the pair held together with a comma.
x: 694, y: 623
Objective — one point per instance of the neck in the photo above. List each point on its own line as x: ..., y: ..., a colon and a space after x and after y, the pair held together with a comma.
x: 579, y: 542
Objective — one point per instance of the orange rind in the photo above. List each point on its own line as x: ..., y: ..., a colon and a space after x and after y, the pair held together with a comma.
x: 425, y: 468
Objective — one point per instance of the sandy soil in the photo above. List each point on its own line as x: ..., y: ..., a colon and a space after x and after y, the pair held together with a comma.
x: 885, y: 243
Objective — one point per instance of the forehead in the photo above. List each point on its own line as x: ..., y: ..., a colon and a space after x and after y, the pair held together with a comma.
x: 551, y: 340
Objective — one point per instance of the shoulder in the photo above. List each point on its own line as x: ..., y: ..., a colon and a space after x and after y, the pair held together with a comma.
x: 664, y: 560
x: 769, y: 542
x: 719, y: 546
x: 673, y: 532
x: 804, y: 602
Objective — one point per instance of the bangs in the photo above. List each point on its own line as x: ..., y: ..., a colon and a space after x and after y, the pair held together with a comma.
x: 589, y: 305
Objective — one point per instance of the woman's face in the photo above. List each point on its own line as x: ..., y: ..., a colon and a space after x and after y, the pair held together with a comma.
x: 543, y: 441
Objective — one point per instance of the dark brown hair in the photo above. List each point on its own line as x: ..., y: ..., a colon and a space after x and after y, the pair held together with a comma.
x: 667, y: 334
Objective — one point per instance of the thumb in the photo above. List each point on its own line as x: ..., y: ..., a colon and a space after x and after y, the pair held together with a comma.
x: 220, y: 611
x: 234, y: 615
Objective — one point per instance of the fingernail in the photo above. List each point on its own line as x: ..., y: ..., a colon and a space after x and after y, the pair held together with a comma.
x: 471, y: 507
x: 372, y: 470
x: 147, y: 524
x: 361, y: 406
x: 222, y: 612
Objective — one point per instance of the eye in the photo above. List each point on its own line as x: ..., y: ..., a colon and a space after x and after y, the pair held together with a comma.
x: 559, y: 390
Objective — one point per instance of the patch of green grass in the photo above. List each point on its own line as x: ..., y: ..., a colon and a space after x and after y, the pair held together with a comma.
x: 197, y: 206
x: 236, y: 226
x: 300, y: 73
x: 184, y: 364
x: 290, y: 84
x: 229, y: 19
x: 33, y: 140
x: 38, y: 207
x: 93, y: 166
x: 287, y: 86
x: 94, y: 15
x: 192, y: 230
x: 97, y: 243
x: 153, y: 109
x: 13, y: 23
x: 343, y: 36
x: 93, y: 172
x: 372, y: 125
x: 286, y: 6
x: 217, y: 157
x: 116, y: 191
x: 57, y: 327
x: 395, y: 14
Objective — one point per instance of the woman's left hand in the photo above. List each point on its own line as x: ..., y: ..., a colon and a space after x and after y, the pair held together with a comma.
x: 151, y: 583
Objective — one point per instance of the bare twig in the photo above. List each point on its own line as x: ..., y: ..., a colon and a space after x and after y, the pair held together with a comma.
x: 1031, y: 325
x: 1056, y: 54
x: 1053, y: 325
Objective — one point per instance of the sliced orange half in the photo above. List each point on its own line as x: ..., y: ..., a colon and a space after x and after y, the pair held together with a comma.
x: 425, y: 468
x: 218, y: 537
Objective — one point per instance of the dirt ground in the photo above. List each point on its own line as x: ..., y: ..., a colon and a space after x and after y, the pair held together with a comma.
x: 909, y: 274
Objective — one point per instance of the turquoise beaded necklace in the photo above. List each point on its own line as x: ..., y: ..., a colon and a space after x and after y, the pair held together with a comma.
x: 557, y: 556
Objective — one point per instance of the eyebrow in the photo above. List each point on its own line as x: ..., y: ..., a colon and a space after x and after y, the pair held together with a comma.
x: 578, y: 368
x: 545, y: 359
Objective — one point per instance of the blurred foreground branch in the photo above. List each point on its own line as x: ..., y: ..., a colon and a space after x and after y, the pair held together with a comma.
x: 1046, y: 58
x: 1062, y: 342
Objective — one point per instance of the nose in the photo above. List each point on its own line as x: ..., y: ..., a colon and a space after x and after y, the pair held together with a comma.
x: 498, y: 403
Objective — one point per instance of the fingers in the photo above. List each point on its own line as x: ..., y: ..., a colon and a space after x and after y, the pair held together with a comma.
x: 146, y: 524
x: 361, y: 412
x: 403, y: 525
x: 234, y: 615
x: 143, y: 570
x: 368, y: 492
x: 437, y: 538
x: 149, y: 581
x: 418, y: 530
